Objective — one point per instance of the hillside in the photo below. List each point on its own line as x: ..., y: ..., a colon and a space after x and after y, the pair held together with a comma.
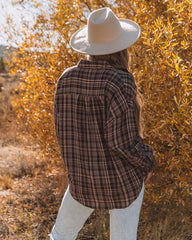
x: 6, y: 51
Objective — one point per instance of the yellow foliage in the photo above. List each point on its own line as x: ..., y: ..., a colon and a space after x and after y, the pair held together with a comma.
x: 160, y: 62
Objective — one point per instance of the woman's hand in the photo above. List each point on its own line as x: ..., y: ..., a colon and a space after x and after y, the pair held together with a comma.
x: 147, y: 178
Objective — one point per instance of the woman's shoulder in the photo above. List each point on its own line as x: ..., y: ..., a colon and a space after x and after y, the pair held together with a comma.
x: 122, y: 78
x: 67, y: 70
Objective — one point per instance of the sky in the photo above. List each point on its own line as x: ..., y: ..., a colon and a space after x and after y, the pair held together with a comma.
x: 19, y: 14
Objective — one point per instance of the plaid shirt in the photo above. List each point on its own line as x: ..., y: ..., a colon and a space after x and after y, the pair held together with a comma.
x: 96, y: 128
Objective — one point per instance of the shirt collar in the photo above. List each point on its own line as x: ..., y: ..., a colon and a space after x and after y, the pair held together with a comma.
x: 83, y: 63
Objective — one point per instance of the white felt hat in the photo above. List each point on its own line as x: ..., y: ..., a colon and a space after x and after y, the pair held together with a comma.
x: 105, y: 34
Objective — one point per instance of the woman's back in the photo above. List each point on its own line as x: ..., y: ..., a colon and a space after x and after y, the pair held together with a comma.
x: 90, y: 97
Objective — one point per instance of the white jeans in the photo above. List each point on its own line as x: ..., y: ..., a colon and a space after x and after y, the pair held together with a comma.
x: 72, y: 216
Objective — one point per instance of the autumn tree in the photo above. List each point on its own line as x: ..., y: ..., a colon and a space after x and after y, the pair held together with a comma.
x: 160, y: 62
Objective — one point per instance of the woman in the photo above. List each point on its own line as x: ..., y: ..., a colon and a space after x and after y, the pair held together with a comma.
x: 97, y: 122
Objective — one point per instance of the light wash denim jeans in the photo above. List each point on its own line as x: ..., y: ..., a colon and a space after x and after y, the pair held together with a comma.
x: 72, y: 216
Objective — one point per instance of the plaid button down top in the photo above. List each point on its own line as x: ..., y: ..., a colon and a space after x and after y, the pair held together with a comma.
x: 96, y: 128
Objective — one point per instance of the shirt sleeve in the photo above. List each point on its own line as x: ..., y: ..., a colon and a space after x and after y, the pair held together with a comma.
x: 56, y: 122
x: 58, y: 104
x: 122, y: 135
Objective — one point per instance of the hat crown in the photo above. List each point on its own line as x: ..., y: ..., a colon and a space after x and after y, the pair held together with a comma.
x: 103, y: 26
x: 105, y: 33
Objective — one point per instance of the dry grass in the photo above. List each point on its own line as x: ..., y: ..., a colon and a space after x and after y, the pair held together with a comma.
x: 174, y: 223
x: 29, y: 208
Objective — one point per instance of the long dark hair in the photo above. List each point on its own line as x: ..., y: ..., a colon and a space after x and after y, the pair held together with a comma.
x: 120, y: 60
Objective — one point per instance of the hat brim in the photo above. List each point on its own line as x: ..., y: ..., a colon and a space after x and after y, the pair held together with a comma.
x: 129, y: 35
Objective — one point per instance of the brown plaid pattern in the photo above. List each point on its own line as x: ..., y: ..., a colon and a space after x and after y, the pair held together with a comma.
x: 96, y: 129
